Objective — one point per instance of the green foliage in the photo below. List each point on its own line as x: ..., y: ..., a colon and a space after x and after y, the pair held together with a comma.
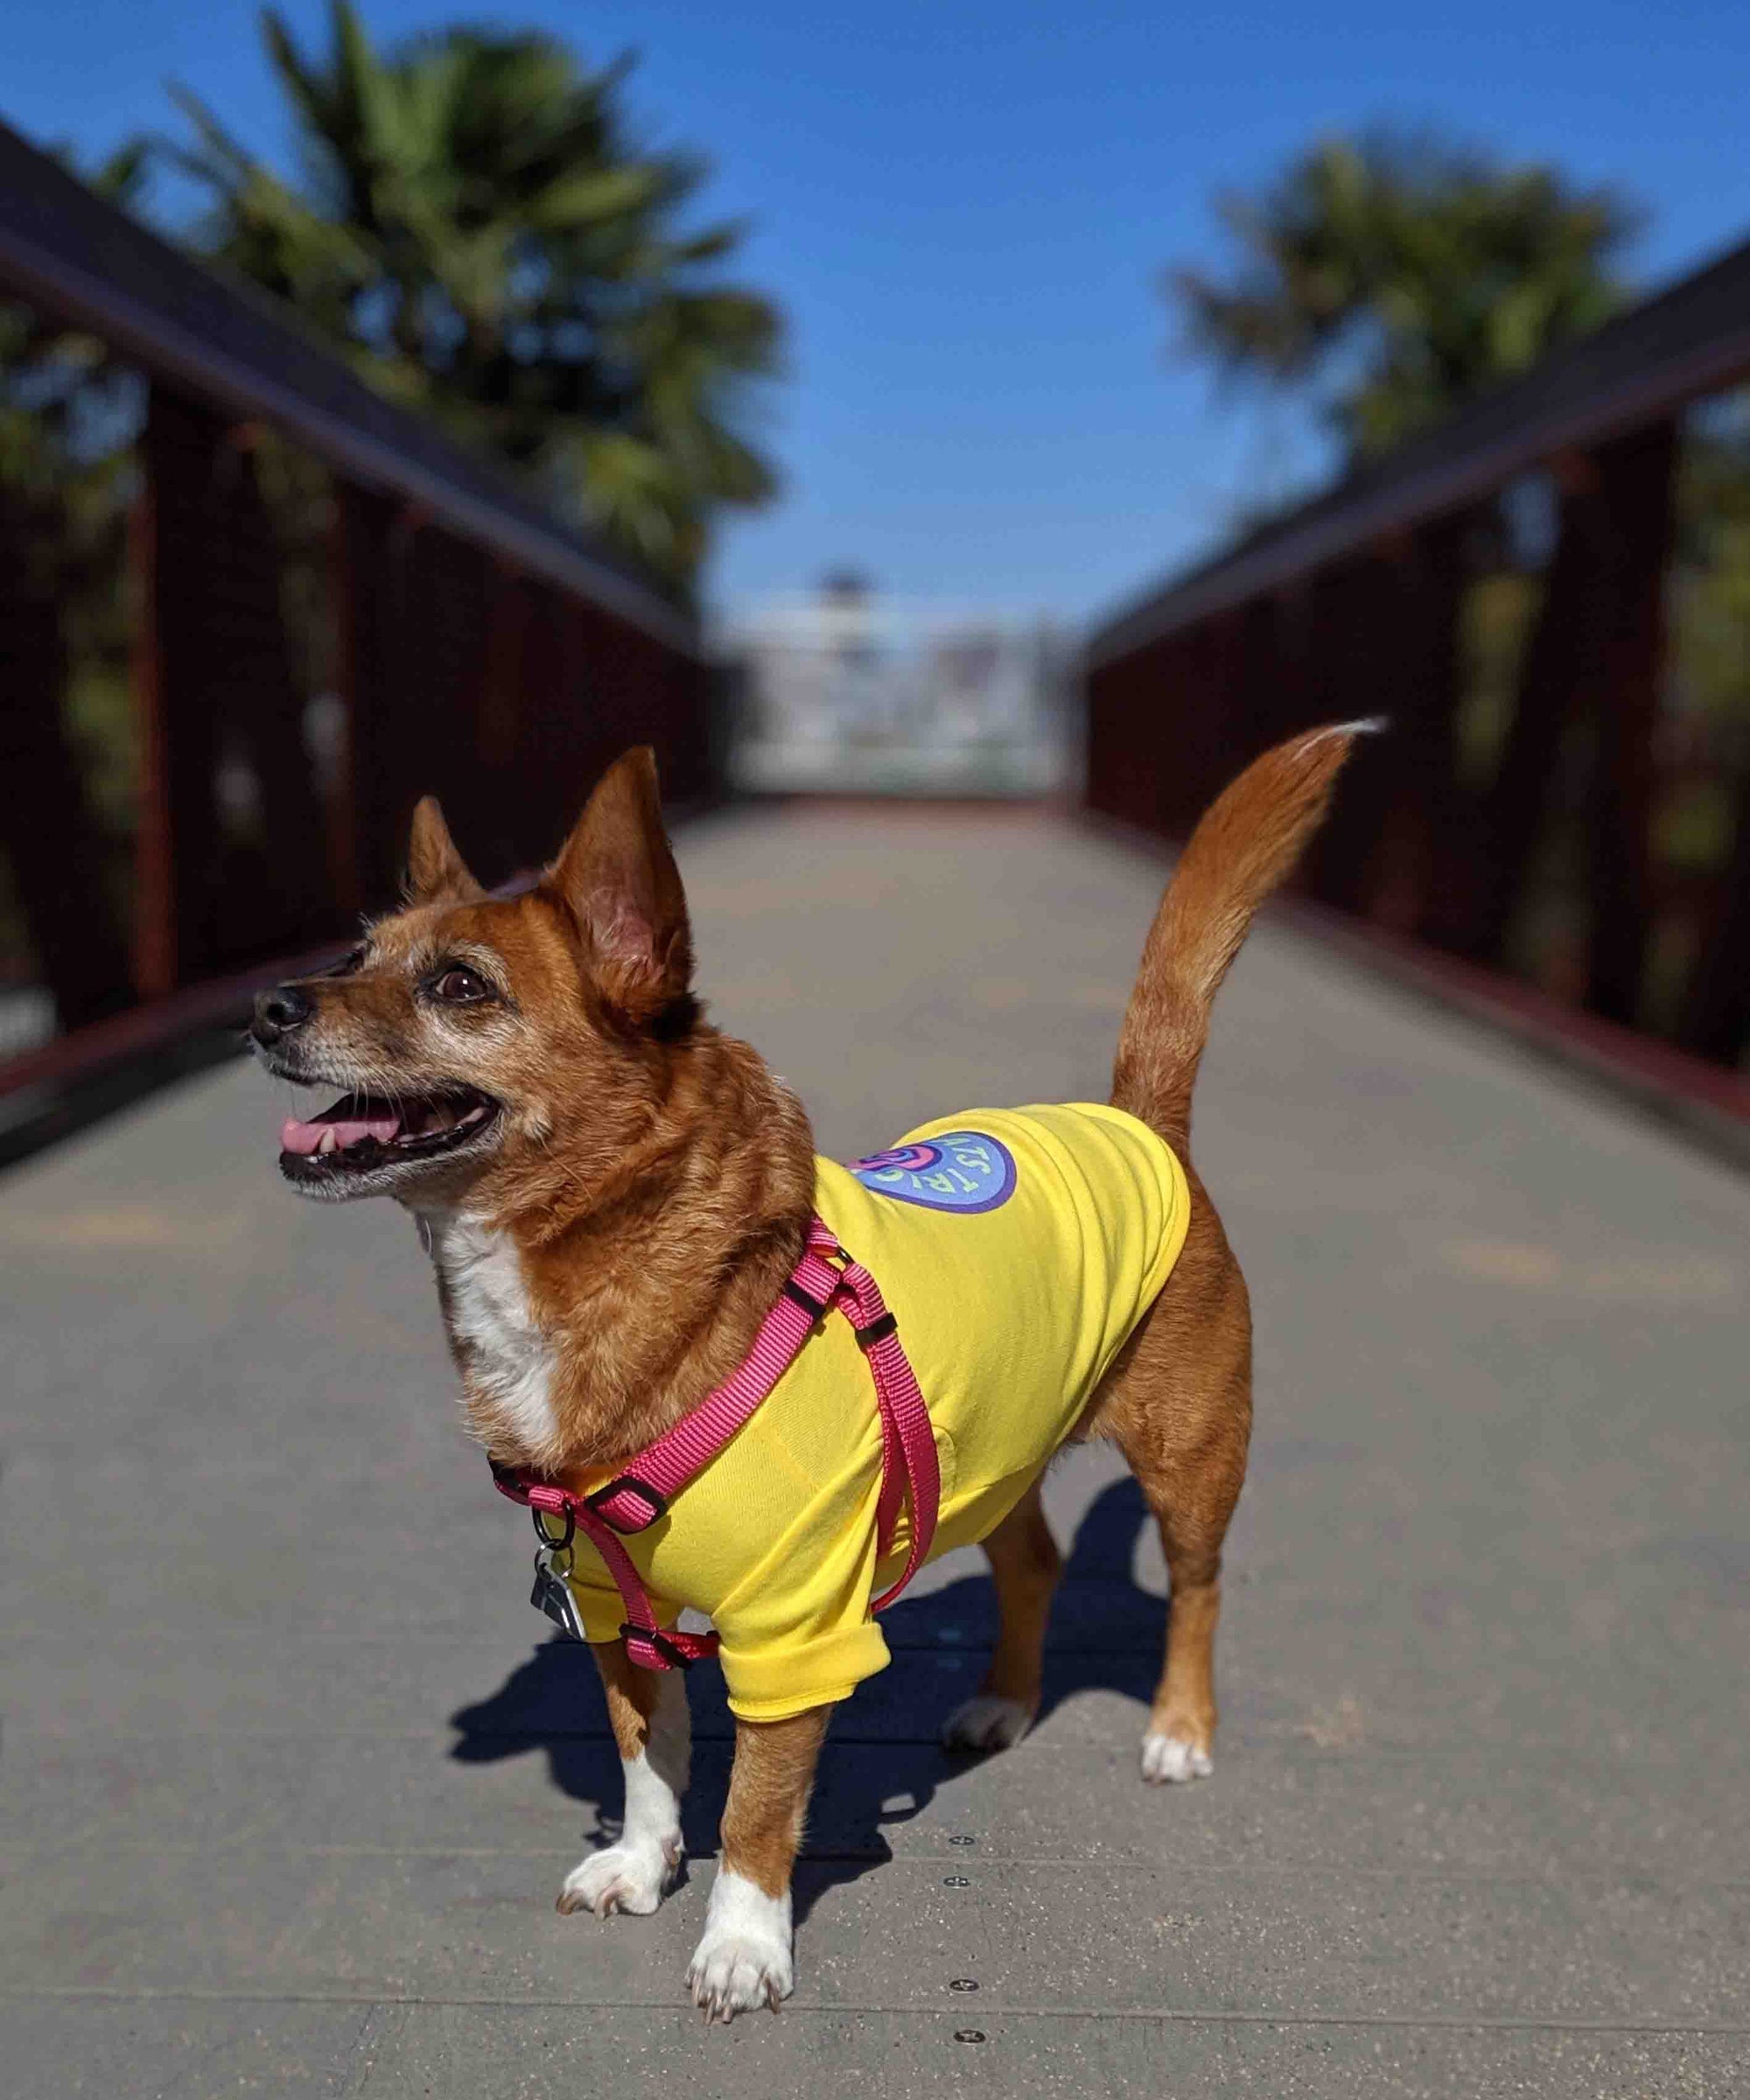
x: 1707, y: 605
x: 67, y: 411
x: 1708, y: 602
x: 473, y: 222
x: 1496, y: 615
x: 1395, y: 277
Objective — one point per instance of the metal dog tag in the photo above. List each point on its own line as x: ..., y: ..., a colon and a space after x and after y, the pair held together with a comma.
x: 552, y: 1593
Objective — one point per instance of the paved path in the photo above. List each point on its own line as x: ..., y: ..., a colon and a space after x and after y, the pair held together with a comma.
x: 289, y: 1780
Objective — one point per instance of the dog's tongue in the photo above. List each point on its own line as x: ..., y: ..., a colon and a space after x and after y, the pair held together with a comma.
x: 350, y: 1119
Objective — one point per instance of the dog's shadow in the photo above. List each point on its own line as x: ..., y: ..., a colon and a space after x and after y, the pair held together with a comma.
x: 884, y: 1761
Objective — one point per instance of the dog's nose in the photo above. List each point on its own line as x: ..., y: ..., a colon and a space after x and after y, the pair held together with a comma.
x: 278, y: 1011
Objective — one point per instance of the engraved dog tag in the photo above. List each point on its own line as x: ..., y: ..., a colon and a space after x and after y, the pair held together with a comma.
x: 552, y: 1593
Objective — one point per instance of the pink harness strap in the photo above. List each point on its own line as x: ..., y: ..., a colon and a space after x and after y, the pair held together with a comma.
x: 640, y: 1493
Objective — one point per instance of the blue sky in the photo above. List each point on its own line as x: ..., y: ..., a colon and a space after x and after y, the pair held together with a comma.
x: 965, y: 209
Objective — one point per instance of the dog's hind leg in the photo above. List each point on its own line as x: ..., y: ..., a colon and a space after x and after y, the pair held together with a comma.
x: 652, y: 1731
x: 1025, y: 1563
x: 1180, y: 1740
x: 1178, y: 1406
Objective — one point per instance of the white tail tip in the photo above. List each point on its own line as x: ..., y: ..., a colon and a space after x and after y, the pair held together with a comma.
x: 1364, y: 726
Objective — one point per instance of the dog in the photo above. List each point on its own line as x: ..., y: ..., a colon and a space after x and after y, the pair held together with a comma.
x: 616, y: 1197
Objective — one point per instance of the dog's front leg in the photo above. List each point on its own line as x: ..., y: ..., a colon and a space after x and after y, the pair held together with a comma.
x: 742, y: 1959
x: 653, y: 1730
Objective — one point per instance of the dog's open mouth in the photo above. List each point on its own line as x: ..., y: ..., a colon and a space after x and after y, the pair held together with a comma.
x: 361, y: 1132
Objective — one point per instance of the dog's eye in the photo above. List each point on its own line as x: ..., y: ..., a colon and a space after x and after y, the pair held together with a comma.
x: 349, y: 964
x: 458, y: 986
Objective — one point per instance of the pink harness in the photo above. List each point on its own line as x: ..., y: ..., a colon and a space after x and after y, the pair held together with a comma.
x: 637, y: 1497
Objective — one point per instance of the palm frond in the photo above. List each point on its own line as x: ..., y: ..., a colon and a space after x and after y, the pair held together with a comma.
x: 475, y: 224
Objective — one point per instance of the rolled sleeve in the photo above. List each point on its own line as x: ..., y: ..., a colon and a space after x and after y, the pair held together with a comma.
x: 771, y: 1681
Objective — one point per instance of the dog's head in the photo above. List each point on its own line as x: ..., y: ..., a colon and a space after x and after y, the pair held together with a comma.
x: 477, y: 1037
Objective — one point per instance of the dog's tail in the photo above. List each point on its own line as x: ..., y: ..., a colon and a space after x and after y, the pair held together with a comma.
x: 1247, y: 840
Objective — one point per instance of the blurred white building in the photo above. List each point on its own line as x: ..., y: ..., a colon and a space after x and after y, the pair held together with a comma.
x: 845, y: 691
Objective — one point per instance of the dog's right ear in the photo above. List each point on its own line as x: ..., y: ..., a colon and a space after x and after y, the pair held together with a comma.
x: 436, y: 873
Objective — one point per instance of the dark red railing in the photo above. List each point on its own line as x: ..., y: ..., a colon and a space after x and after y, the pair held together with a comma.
x: 1544, y: 857
x: 330, y: 610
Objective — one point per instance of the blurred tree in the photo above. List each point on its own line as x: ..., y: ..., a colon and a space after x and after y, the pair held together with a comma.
x: 1707, y: 725
x: 1394, y: 276
x: 473, y: 221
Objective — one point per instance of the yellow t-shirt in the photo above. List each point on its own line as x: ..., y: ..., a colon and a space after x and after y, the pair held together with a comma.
x: 1018, y: 1248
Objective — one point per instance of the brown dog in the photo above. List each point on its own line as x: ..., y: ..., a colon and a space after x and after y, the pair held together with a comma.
x: 614, y: 1193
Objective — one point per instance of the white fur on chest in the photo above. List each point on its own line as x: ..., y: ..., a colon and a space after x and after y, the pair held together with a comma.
x: 510, y: 1361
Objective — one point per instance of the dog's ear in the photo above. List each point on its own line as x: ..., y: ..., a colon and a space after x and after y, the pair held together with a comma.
x: 617, y: 878
x: 436, y: 873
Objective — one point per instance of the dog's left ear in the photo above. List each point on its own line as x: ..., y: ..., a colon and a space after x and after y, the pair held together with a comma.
x: 617, y: 876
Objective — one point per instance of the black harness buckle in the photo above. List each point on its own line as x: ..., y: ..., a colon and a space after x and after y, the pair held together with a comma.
x: 629, y: 1483
x: 815, y: 1308
x: 675, y: 1657
x: 878, y: 1329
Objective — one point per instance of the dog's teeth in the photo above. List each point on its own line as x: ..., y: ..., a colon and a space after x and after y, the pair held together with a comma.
x: 329, y: 1143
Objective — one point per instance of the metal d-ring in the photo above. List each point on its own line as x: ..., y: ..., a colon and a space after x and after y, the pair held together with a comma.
x: 546, y: 1537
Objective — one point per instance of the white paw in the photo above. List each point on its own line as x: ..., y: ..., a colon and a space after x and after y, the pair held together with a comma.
x: 631, y: 1876
x: 986, y: 1723
x: 1168, y: 1760
x: 744, y: 1959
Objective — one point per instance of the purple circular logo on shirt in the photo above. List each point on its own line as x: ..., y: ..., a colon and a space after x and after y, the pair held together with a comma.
x: 961, y: 1170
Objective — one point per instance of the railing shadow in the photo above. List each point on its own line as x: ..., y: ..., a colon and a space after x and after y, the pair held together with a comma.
x: 885, y: 1763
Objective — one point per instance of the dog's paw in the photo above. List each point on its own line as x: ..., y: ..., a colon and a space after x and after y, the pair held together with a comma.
x: 743, y: 1960
x: 632, y: 1876
x: 1169, y: 1760
x: 986, y: 1723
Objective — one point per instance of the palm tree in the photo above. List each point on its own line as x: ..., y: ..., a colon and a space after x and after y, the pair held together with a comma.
x: 1396, y: 276
x: 473, y: 222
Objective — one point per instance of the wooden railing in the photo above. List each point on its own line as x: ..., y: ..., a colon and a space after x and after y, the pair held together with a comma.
x: 1525, y: 831
x: 330, y: 609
